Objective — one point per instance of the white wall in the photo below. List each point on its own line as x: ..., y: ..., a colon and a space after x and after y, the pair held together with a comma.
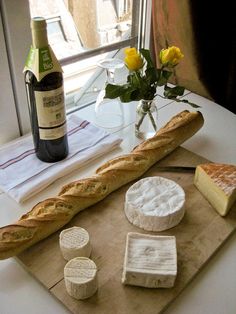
x: 16, y: 19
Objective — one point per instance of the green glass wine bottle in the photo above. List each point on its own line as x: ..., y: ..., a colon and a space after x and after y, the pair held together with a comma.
x: 45, y: 95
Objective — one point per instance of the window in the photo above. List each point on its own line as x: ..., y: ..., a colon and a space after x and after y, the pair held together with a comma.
x: 80, y: 33
x: 55, y: 30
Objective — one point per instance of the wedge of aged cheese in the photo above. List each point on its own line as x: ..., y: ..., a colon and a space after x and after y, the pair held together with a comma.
x: 150, y: 261
x: 74, y: 242
x: 155, y: 203
x: 217, y: 182
x: 80, y: 275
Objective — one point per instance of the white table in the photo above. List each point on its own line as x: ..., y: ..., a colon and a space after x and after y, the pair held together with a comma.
x: 212, y: 291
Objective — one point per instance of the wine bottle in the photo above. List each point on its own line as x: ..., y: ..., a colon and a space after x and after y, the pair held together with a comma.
x: 45, y: 95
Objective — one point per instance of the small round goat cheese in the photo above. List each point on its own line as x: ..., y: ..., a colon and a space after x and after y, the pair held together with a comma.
x: 80, y: 275
x: 74, y: 242
x: 155, y: 204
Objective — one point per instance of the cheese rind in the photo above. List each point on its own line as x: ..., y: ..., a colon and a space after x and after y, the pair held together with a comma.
x: 155, y: 204
x: 150, y: 261
x: 74, y: 242
x: 80, y: 276
x: 217, y: 183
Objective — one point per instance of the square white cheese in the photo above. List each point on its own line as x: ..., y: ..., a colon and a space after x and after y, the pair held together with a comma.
x: 150, y: 261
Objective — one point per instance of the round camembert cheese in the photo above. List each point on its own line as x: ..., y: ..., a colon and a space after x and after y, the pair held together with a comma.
x: 155, y: 204
x: 80, y: 275
x: 74, y: 242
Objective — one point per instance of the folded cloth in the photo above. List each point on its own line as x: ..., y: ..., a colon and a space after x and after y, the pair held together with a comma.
x: 22, y: 174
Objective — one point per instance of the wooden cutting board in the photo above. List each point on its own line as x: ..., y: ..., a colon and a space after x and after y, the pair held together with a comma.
x: 199, y: 235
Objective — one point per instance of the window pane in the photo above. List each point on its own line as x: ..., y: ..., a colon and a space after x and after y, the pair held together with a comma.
x: 83, y: 30
x: 55, y: 31
x: 83, y: 25
x: 62, y: 33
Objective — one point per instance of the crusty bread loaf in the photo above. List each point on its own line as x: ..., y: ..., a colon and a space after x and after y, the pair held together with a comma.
x: 51, y: 214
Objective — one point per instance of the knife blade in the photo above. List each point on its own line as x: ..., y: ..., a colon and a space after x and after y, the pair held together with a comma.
x: 190, y: 169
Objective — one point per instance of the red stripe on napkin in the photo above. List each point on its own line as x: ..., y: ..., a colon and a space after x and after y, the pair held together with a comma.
x: 32, y: 151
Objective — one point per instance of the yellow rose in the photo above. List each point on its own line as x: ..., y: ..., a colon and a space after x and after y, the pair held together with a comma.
x: 170, y: 56
x: 133, y: 59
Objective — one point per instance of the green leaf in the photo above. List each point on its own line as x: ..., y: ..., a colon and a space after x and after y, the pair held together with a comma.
x: 147, y: 56
x: 173, y: 92
x: 131, y: 95
x: 166, y: 74
x: 151, y: 75
x: 163, y: 77
x: 149, y: 93
x: 125, y: 97
x: 134, y: 80
x: 190, y: 103
x: 114, y: 91
x: 126, y: 93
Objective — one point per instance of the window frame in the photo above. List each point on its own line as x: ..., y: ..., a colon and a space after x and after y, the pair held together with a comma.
x: 8, y: 111
x: 132, y: 41
x: 17, y: 47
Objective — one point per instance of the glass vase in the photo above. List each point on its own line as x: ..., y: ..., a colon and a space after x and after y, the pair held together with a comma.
x: 146, y: 119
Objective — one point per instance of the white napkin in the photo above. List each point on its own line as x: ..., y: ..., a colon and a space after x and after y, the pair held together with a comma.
x: 22, y: 174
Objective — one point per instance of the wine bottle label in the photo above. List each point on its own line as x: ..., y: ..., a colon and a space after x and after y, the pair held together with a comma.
x: 52, y: 134
x: 51, y: 113
x: 42, y: 61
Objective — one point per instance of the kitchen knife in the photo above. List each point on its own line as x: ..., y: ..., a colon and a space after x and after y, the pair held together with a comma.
x: 190, y: 169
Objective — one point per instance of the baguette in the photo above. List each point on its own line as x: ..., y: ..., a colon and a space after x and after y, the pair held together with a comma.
x: 52, y: 214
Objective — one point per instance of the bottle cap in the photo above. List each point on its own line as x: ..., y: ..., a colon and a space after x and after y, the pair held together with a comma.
x: 38, y: 23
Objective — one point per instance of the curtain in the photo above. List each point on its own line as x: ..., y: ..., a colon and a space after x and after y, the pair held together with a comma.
x: 205, y: 31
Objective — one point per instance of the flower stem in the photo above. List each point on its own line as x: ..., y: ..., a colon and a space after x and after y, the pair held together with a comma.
x: 137, y: 125
x: 152, y: 120
x: 144, y: 113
